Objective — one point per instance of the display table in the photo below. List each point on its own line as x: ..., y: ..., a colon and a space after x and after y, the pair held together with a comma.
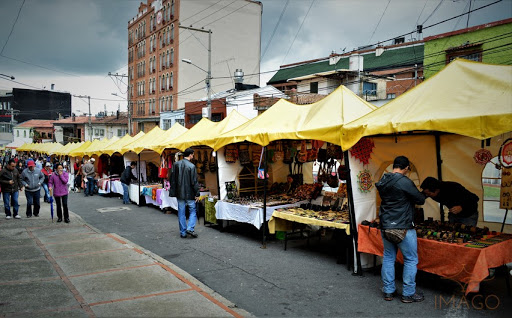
x: 134, y: 192
x: 246, y: 213
x: 451, y: 260
x: 111, y: 186
x: 282, y: 221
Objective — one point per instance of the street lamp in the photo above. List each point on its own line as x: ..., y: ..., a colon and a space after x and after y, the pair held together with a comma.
x: 208, y: 86
x: 8, y: 76
x: 209, y: 72
x: 129, y: 112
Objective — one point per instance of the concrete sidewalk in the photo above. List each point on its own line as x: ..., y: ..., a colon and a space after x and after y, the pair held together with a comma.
x: 74, y: 270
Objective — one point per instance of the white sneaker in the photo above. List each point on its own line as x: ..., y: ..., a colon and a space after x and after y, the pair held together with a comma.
x: 17, y: 217
x: 8, y: 217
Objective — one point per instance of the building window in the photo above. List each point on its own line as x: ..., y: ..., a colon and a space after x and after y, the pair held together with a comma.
x: 391, y: 96
x: 472, y: 52
x: 172, y: 33
x: 171, y: 102
x: 17, y: 133
x: 172, y: 7
x: 24, y: 134
x: 171, y: 81
x: 180, y: 121
x: 166, y: 123
x: 194, y: 118
x: 50, y: 135
x: 369, y: 88
x: 313, y: 87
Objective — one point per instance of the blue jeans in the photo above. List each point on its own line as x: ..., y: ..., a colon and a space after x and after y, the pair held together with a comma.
x: 46, y: 192
x: 33, y: 199
x: 126, y: 193
x: 8, y: 197
x: 471, y: 220
x: 409, y: 249
x: 182, y: 207
x: 89, y: 189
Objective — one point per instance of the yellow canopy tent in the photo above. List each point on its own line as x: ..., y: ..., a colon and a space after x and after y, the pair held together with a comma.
x: 159, y: 143
x: 466, y: 98
x: 118, y: 145
x: 284, y: 120
x: 97, y: 149
x: 54, y: 147
x: 200, y: 131
x: 68, y: 148
x: 81, y: 151
x: 78, y: 152
x: 24, y: 147
x: 207, y: 136
x: 139, y: 145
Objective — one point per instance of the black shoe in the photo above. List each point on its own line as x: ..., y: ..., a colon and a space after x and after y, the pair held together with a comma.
x: 29, y: 216
x: 183, y: 236
x: 417, y: 297
x: 389, y: 296
x: 59, y: 220
x: 66, y: 220
x: 36, y: 215
x: 192, y: 233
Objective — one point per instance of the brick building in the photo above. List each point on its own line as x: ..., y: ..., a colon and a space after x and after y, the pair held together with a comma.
x: 159, y: 82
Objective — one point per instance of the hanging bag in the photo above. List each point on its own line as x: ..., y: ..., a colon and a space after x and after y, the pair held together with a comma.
x: 205, y: 162
x: 199, y: 163
x: 278, y: 152
x: 231, y: 153
x: 256, y: 154
x: 302, y: 156
x: 289, y: 154
x: 243, y: 155
x: 332, y: 178
x: 162, y: 170
x: 213, y: 164
x: 261, y: 171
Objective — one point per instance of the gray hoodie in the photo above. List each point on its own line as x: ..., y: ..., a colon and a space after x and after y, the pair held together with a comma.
x: 399, y: 195
x: 32, y: 180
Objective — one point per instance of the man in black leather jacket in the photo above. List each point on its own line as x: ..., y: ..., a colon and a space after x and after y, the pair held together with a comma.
x: 399, y: 195
x: 185, y: 188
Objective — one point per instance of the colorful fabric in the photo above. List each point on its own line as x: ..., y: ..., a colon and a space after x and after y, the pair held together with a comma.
x: 363, y: 149
x: 482, y: 156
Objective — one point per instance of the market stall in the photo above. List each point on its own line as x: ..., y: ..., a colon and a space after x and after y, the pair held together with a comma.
x: 440, y: 132
x: 286, y: 121
x: 465, y: 262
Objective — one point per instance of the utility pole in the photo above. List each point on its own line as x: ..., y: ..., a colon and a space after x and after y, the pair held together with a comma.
x: 12, y: 113
x: 128, y: 100
x: 209, y: 72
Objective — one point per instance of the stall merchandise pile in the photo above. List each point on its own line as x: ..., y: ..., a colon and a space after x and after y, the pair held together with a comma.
x: 257, y: 201
x: 471, y: 236
x: 329, y: 215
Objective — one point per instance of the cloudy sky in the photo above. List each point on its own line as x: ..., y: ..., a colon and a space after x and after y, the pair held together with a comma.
x: 74, y: 44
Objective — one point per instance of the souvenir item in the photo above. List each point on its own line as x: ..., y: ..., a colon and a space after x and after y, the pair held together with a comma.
x: 302, y: 156
x: 199, y: 163
x: 231, y: 153
x: 212, y: 163
x: 278, y: 152
x: 364, y: 180
x: 333, y: 151
x: 482, y: 156
x: 243, y: 155
x: 363, y: 149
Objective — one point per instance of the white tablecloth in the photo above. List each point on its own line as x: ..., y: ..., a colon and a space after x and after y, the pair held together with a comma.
x: 134, y: 192
x: 114, y: 186
x: 246, y: 213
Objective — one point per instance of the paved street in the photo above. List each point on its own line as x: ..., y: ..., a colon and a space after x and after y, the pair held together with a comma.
x: 302, y: 281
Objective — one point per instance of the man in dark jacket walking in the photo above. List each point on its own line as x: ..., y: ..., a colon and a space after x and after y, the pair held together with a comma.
x: 126, y: 178
x: 462, y: 204
x: 11, y: 184
x: 185, y: 188
x: 32, y: 178
x: 399, y: 195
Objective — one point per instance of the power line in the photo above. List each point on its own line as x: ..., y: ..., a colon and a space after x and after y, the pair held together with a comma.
x: 378, y: 23
x: 12, y: 28
x: 298, y: 30
x: 435, y: 9
x: 275, y: 29
x: 248, y: 3
x: 36, y: 65
x: 181, y: 20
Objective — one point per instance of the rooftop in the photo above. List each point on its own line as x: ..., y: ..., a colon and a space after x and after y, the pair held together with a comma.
x: 392, y: 57
x: 37, y: 123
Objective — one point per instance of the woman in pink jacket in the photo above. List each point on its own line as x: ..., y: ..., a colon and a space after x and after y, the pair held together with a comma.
x: 58, y: 186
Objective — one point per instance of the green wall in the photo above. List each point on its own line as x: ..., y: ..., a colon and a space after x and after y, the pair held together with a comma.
x: 494, y: 50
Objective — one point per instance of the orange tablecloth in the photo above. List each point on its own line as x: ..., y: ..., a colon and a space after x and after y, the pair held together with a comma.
x: 466, y: 265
